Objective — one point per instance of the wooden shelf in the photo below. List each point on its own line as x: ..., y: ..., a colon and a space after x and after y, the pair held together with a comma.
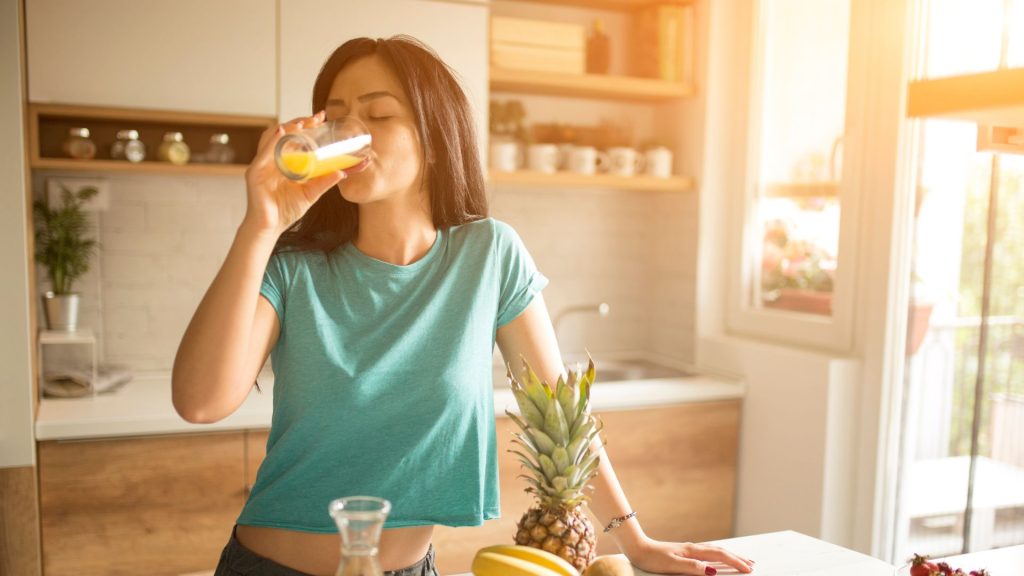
x: 824, y: 189
x: 49, y: 124
x: 989, y: 98
x: 568, y: 179
x: 588, y: 85
x: 611, y: 4
x: 147, y: 167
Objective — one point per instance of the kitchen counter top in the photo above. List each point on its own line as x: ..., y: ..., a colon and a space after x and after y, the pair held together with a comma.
x: 790, y: 553
x: 143, y: 406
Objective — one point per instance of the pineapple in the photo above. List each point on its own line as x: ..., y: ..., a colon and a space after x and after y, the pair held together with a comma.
x: 557, y: 429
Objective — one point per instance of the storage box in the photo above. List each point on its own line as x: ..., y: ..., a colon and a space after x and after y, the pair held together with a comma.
x: 537, y: 45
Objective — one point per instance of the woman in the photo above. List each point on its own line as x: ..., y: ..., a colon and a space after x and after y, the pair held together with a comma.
x: 380, y: 294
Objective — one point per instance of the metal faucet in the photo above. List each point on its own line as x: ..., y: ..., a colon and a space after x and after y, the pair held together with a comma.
x: 601, y: 309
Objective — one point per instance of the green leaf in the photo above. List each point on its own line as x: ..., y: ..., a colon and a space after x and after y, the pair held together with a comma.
x: 567, y: 398
x: 548, y: 466
x: 561, y: 459
x: 554, y: 424
x: 545, y: 445
x: 519, y: 421
x: 529, y: 410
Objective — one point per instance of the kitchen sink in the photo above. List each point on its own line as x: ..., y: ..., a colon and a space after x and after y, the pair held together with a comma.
x: 622, y: 370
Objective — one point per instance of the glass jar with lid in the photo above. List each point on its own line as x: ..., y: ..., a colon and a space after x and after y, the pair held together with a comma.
x: 220, y: 150
x: 128, y: 147
x: 79, y: 145
x: 174, y: 149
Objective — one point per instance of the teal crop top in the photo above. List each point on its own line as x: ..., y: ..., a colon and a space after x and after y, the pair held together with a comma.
x: 382, y: 380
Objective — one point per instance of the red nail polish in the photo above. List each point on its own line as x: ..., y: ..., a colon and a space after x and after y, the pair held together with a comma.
x: 710, y: 571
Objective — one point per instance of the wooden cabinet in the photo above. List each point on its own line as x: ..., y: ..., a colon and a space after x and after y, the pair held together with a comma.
x: 187, y: 55
x: 159, y: 505
x: 457, y: 32
x: 676, y: 464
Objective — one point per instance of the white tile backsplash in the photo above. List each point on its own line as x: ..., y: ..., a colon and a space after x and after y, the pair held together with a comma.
x: 164, y: 238
x: 634, y: 250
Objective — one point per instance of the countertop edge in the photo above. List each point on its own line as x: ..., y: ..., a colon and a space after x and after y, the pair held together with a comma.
x: 133, y: 415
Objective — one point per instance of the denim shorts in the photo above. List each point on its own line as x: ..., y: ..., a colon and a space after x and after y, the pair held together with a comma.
x: 237, y: 560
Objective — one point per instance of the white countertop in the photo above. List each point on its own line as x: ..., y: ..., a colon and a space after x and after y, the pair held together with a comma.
x: 1007, y: 561
x: 143, y: 406
x: 793, y: 554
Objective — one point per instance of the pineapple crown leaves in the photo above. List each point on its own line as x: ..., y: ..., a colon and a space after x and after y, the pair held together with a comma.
x: 556, y: 432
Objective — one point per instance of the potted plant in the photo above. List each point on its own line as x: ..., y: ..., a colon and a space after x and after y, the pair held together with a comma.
x: 63, y: 248
x: 796, y: 274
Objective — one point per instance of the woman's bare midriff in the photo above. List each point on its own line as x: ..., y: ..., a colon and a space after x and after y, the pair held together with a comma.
x: 319, y: 554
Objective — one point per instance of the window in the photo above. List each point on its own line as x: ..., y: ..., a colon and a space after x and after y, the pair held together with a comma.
x: 795, y: 281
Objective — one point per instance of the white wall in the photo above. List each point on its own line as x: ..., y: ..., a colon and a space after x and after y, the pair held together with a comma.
x: 798, y: 437
x: 17, y: 447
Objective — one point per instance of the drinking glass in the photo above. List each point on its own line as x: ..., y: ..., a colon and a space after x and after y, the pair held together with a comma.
x: 341, y: 144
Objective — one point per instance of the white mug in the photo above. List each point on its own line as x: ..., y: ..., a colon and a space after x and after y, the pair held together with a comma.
x: 625, y: 161
x: 506, y: 156
x: 659, y: 162
x: 542, y: 158
x: 587, y: 160
x: 564, y: 153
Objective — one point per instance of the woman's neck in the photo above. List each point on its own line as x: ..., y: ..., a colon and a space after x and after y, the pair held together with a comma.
x: 394, y: 233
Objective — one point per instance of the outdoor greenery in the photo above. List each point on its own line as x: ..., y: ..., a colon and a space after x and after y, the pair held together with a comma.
x: 61, y: 242
x: 1004, y: 360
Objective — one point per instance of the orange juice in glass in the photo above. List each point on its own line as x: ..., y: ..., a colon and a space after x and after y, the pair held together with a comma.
x: 340, y: 144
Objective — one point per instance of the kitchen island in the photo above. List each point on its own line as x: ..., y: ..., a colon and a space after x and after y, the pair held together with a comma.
x: 790, y: 553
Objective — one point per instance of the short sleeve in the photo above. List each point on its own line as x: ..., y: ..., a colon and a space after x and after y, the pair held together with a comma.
x: 520, y: 280
x: 274, y: 282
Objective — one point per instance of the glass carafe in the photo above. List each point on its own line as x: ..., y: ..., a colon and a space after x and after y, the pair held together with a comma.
x: 360, y: 520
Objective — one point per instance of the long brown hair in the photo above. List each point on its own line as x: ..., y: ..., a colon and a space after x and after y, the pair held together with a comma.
x: 444, y: 121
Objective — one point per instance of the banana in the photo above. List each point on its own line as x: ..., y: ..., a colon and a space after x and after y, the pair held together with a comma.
x: 535, y: 555
x: 493, y: 564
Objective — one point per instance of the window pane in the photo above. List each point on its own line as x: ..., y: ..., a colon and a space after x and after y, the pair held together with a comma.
x: 803, y: 103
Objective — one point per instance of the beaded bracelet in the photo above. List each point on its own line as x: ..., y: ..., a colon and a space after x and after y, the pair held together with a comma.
x: 616, y: 522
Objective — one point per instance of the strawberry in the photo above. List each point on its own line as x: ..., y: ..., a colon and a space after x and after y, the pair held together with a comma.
x: 920, y: 566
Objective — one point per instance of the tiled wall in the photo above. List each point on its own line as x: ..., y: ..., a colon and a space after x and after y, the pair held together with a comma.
x: 634, y: 250
x: 164, y: 238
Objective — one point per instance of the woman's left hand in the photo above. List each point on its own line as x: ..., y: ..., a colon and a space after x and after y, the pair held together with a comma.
x: 684, y: 558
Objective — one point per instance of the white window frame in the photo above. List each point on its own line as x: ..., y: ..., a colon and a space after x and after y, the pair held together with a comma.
x: 832, y: 333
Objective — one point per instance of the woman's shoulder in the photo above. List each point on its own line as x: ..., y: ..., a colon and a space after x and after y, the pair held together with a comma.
x: 490, y: 229
x: 293, y: 260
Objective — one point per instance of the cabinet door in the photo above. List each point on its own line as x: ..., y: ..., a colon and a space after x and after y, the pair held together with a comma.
x: 161, y: 505
x: 189, y: 55
x: 677, y: 466
x: 312, y: 29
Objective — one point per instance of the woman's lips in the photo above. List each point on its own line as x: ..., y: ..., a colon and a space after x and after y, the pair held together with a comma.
x: 360, y: 167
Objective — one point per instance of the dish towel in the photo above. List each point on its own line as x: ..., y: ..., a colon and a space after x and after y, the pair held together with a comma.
x: 72, y: 383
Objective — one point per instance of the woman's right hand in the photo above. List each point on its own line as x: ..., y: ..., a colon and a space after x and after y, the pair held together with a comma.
x: 274, y: 201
